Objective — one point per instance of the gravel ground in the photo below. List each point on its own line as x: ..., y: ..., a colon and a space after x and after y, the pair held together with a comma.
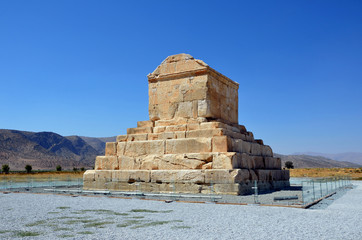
x: 55, y: 216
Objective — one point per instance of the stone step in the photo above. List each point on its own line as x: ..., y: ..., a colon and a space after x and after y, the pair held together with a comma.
x: 207, y: 176
x: 207, y: 160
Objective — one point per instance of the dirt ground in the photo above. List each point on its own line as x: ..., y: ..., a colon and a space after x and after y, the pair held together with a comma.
x: 355, y: 173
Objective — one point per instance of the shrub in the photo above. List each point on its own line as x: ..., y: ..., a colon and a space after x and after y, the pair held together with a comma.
x: 75, y: 169
x: 28, y: 168
x: 82, y: 169
x: 5, y: 168
x: 289, y: 165
x: 58, y: 168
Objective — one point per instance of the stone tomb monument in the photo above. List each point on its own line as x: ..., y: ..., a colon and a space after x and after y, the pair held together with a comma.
x: 192, y: 142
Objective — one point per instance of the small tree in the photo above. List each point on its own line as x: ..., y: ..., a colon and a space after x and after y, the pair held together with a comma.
x: 28, y: 168
x: 289, y: 165
x: 82, y: 169
x: 58, y: 168
x: 5, y: 168
x: 75, y: 169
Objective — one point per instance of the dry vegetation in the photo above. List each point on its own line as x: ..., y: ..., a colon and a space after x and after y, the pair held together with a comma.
x: 355, y: 173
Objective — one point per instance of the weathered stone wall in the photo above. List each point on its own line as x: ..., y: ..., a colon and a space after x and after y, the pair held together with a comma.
x: 198, y: 92
x: 192, y: 140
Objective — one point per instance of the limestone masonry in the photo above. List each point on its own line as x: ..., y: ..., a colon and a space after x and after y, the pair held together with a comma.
x: 192, y: 142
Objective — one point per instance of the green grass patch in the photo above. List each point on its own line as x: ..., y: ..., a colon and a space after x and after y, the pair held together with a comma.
x: 181, y: 227
x: 86, y: 232
x: 64, y: 217
x: 137, y: 217
x: 151, y: 224
x: 26, y: 234
x: 130, y: 223
x: 101, y: 211
x: 62, y: 208
x: 37, y: 223
x: 97, y: 224
x: 2, y: 232
x: 149, y: 211
x: 53, y: 212
x: 77, y: 212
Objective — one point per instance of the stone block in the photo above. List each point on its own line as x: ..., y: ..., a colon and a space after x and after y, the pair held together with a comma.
x: 266, y: 151
x: 139, y: 130
x: 192, y: 126
x: 184, y: 110
x: 138, y: 137
x: 141, y: 124
x: 176, y: 128
x: 127, y: 163
x: 188, y: 145
x: 204, y: 108
x: 106, y: 163
x: 242, y: 128
x: 263, y: 175
x: 160, y: 129
x: 153, y: 136
x: 178, y: 176
x: 276, y: 175
x: 253, y: 176
x: 228, y: 188
x: 172, y: 162
x: 221, y: 144
x: 103, y: 175
x: 131, y: 176
x: 255, y: 149
x: 285, y: 175
x: 180, y: 134
x: 111, y: 149
x: 139, y: 148
x: 207, y: 166
x: 258, y: 162
x: 212, y: 125
x: 205, y: 133
x: 228, y: 160
x: 89, y: 175
x: 272, y: 163
x: 246, y: 161
x: 121, y: 138
x: 226, y: 176
x: 121, y: 146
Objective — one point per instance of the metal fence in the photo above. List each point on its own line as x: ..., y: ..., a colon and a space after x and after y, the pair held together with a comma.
x: 317, y: 188
x: 301, y: 192
x: 29, y: 182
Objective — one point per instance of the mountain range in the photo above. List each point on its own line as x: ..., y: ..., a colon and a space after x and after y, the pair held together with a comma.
x: 46, y: 150
x: 353, y: 157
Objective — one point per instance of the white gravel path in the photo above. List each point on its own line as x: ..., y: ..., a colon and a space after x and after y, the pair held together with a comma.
x: 66, y: 217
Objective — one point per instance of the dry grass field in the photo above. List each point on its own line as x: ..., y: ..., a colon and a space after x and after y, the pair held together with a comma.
x: 355, y: 173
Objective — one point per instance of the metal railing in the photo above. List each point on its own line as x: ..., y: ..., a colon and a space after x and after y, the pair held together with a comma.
x: 11, y: 182
x: 318, y: 188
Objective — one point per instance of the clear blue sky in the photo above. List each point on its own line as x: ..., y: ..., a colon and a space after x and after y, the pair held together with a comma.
x: 79, y: 67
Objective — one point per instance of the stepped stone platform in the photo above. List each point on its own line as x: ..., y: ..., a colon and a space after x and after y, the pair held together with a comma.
x: 192, y: 142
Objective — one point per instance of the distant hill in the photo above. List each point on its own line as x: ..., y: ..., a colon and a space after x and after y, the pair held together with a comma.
x: 45, y: 150
x: 353, y: 157
x: 307, y: 161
